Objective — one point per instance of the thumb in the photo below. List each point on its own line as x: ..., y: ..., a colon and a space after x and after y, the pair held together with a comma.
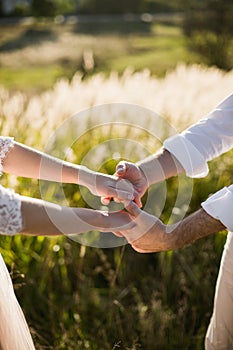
x: 133, y: 209
x: 121, y: 168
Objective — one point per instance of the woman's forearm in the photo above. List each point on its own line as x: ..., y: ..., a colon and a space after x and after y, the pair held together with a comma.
x: 24, y: 161
x: 21, y: 160
x: 45, y: 218
x: 37, y: 215
x: 48, y: 219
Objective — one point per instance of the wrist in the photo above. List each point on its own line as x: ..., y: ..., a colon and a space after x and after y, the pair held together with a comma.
x: 145, y: 171
x: 160, y: 166
x: 86, y: 219
x: 171, y: 233
x: 91, y: 219
x: 151, y: 170
x: 167, y: 236
x: 84, y: 176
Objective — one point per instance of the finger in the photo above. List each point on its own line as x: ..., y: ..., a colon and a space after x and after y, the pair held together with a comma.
x: 118, y: 195
x: 127, y: 234
x: 121, y: 221
x: 121, y: 168
x: 105, y: 200
x: 140, y: 250
x: 123, y: 196
x: 126, y: 227
x: 133, y: 209
x: 131, y: 234
x: 137, y: 200
x: 114, y: 225
x: 118, y: 234
x: 117, y: 200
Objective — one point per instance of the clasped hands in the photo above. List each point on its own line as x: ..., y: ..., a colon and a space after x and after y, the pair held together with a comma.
x: 147, y: 233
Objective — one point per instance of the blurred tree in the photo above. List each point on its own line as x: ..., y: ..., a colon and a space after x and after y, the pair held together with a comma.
x: 49, y: 8
x: 163, y: 6
x: 43, y: 8
x: 110, y: 6
x: 22, y: 9
x: 7, y: 6
x: 36, y: 7
x: 1, y: 8
x: 209, y: 27
x: 125, y: 6
x: 65, y: 6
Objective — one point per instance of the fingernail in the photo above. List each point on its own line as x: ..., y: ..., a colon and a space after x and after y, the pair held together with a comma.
x: 120, y: 170
x: 104, y: 213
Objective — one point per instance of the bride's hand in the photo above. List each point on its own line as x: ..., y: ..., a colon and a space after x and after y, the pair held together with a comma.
x: 108, y: 186
x: 104, y: 221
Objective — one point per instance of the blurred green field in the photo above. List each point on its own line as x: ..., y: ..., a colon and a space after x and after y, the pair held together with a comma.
x: 35, y: 57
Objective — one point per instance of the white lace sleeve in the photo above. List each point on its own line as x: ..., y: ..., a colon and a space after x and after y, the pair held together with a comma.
x: 11, y: 221
x: 6, y: 143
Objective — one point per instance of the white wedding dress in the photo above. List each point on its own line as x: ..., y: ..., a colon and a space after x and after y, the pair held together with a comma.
x: 14, y: 331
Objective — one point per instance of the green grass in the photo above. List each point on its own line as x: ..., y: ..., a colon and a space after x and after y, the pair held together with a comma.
x: 158, y: 51
x: 80, y: 305
x: 158, y: 54
x: 31, y: 78
x: 160, y: 48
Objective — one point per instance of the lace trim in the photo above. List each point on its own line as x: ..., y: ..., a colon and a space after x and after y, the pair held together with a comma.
x: 6, y: 143
x: 11, y: 221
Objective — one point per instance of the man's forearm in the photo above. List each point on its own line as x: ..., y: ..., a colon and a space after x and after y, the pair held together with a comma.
x: 160, y: 166
x: 195, y: 226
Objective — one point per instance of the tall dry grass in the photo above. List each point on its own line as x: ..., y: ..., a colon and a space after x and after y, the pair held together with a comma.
x: 183, y: 96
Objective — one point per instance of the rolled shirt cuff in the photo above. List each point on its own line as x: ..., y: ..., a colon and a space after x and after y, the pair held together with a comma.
x: 220, y: 205
x: 188, y: 155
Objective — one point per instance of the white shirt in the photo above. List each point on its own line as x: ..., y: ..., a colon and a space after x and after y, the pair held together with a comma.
x: 210, y: 137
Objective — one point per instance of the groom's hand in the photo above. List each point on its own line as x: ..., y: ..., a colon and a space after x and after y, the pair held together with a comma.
x: 149, y: 234
x: 132, y: 173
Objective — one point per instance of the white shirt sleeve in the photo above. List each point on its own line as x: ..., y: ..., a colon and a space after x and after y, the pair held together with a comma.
x: 220, y: 206
x: 207, y: 139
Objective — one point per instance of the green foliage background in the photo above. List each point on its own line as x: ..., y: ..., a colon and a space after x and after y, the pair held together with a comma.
x: 78, y: 297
